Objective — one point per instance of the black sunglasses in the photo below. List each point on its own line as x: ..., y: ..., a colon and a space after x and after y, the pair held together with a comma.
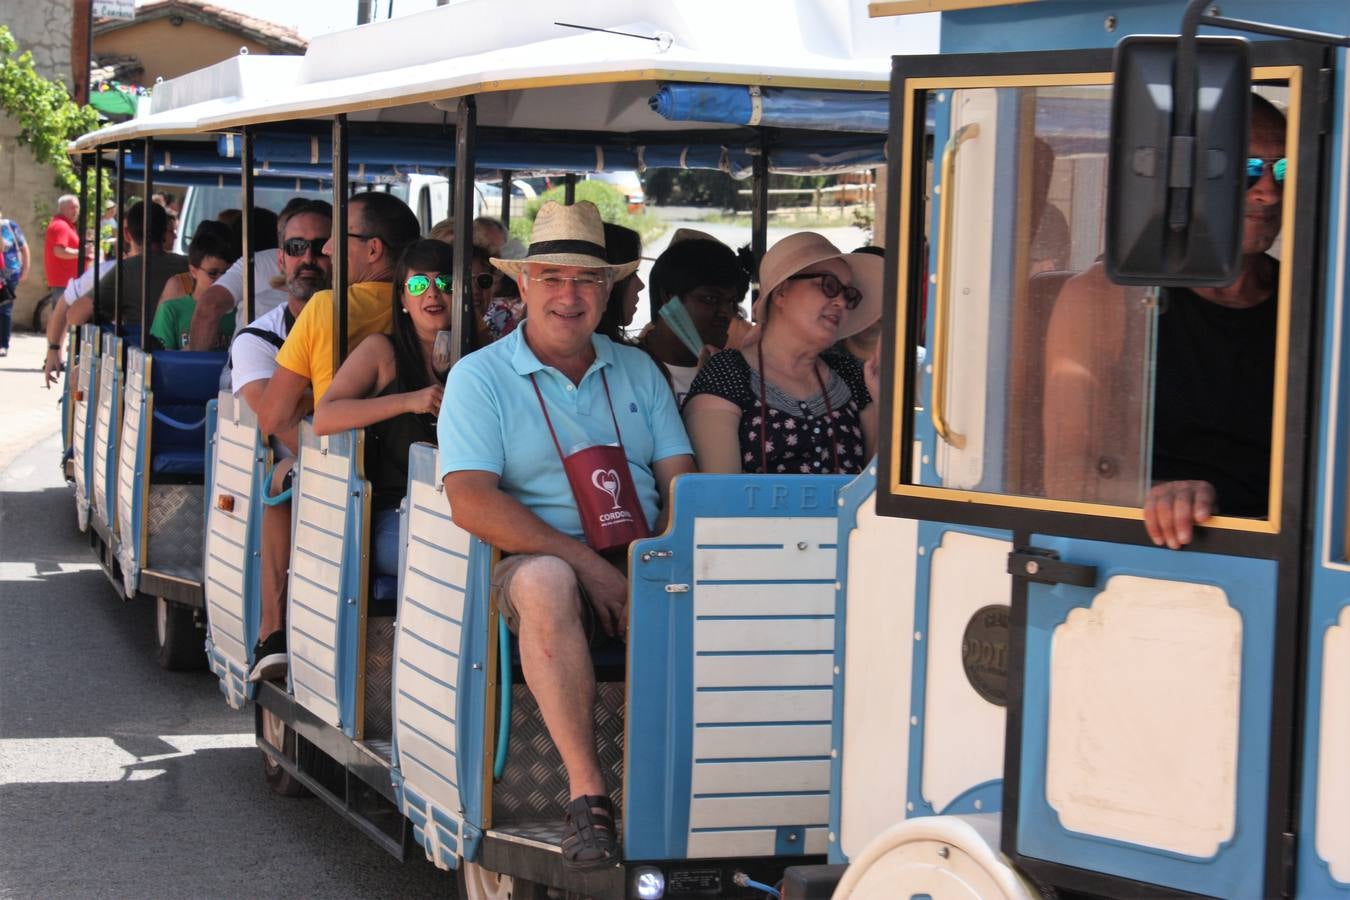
x: 297, y: 247
x: 832, y: 287
x: 484, y: 280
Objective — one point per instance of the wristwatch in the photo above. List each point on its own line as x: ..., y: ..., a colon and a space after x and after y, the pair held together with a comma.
x: 53, y: 346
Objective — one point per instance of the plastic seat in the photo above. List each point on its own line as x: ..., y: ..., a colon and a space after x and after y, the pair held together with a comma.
x: 182, y: 382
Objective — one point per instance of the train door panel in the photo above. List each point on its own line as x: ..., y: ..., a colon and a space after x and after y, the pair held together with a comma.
x: 1147, y: 734
x: 916, y: 735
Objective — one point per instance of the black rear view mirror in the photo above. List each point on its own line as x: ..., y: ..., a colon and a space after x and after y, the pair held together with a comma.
x: 1176, y: 183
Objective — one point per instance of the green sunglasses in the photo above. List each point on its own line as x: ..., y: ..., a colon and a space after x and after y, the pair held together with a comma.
x: 417, y: 285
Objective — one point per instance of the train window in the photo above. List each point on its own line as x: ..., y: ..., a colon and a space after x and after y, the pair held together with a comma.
x: 1043, y: 381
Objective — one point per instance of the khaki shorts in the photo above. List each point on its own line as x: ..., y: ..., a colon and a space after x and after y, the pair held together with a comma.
x: 503, y: 574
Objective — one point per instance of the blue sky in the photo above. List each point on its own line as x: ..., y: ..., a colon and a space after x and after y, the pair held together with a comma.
x: 311, y: 17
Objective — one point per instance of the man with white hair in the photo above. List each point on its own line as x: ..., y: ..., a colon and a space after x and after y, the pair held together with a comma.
x: 564, y: 521
x: 61, y: 248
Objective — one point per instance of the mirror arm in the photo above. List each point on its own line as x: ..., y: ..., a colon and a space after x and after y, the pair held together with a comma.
x: 1283, y: 31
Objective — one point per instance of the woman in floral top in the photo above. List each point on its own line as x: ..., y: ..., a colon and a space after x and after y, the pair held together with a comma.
x: 783, y: 403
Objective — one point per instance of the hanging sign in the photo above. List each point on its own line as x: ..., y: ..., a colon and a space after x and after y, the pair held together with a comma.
x: 114, y: 9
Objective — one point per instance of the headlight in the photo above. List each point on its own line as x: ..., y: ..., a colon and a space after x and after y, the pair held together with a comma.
x: 650, y: 883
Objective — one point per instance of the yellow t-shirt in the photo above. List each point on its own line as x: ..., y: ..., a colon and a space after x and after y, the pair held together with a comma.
x: 308, y: 351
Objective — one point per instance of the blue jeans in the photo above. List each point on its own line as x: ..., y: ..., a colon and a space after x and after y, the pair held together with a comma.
x: 385, y: 525
x: 6, y: 319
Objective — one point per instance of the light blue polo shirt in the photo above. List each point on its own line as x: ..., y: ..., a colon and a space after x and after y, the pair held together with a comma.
x: 490, y: 421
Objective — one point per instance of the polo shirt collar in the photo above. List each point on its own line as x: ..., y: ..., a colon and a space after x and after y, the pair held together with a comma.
x: 525, y: 362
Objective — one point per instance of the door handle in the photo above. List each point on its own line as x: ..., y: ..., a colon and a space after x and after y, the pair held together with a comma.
x: 942, y: 315
x: 1045, y: 566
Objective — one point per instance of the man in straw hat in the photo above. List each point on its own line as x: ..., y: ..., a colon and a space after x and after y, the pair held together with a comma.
x: 553, y: 384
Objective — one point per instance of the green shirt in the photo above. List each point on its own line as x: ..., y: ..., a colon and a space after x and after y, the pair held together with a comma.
x: 173, y: 317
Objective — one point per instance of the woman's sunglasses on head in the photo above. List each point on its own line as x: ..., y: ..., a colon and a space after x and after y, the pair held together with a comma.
x: 1256, y: 167
x: 417, y: 285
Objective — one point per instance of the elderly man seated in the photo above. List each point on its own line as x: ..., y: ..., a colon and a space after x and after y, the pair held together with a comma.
x: 558, y: 447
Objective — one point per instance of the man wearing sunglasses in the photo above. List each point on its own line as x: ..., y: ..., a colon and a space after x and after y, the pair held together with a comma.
x: 1214, y: 374
x: 304, y: 270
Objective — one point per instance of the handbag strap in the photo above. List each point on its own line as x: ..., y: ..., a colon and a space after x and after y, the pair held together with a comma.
x: 549, y: 420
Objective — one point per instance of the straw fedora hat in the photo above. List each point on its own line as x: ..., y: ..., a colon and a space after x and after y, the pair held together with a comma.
x: 567, y: 236
x: 798, y: 252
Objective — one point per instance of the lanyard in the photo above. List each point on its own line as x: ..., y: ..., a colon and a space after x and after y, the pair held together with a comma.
x: 553, y: 434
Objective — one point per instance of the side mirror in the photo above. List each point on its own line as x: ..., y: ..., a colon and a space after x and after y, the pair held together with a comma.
x: 1175, y: 194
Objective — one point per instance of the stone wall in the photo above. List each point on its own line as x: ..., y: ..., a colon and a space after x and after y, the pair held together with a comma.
x: 27, y: 190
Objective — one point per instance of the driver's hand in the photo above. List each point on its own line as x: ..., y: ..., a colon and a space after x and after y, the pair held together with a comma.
x: 1173, y: 508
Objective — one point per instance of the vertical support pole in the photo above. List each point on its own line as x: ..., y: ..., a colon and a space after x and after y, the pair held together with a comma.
x: 246, y: 188
x: 466, y: 146
x: 98, y: 234
x: 146, y: 302
x: 506, y: 199
x: 121, y: 230
x: 759, y: 208
x: 84, y: 214
x: 570, y: 189
x: 340, y: 229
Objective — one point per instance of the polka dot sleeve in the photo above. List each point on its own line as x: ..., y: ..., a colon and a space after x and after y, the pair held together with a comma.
x: 725, y: 375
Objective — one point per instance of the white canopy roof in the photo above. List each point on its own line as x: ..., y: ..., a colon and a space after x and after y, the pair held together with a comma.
x: 528, y: 70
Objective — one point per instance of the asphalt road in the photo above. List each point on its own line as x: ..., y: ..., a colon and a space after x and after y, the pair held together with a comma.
x: 118, y: 779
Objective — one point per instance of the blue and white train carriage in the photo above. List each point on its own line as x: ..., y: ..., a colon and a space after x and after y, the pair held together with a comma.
x: 1030, y: 696
x: 403, y: 708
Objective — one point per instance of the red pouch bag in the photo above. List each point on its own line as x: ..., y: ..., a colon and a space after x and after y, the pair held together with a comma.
x: 602, y: 485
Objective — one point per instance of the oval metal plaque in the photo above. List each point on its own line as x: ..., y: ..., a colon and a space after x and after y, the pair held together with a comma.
x: 984, y: 653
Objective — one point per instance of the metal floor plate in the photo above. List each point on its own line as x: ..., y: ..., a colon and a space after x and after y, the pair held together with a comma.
x: 379, y: 700
x: 534, y: 787
x: 174, y: 519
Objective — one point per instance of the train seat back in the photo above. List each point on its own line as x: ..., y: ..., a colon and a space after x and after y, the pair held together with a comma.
x: 183, y: 382
x: 84, y: 402
x: 107, y: 436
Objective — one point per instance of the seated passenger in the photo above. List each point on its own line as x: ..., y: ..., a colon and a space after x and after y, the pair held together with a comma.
x: 209, y: 256
x: 305, y: 270
x: 621, y: 244
x: 707, y: 278
x: 784, y: 404
x: 389, y: 387
x: 519, y: 419
x: 380, y: 227
x: 163, y: 266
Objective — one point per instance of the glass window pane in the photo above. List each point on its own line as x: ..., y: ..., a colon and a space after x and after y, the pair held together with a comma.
x: 1039, y: 369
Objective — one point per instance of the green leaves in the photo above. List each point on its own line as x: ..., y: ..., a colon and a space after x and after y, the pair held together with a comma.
x: 47, y: 117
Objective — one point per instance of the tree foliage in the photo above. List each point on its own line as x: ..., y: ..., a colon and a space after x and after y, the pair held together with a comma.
x: 48, y: 118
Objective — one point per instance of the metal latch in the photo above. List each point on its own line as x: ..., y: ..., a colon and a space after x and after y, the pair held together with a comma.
x: 1045, y: 567
x: 677, y: 589
x: 649, y: 555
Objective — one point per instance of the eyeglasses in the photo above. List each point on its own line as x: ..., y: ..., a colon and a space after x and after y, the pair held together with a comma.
x: 297, y: 247
x: 213, y: 274
x: 417, y: 285
x: 484, y: 280
x: 832, y: 287
x: 556, y: 284
x: 1256, y: 167
x: 362, y: 237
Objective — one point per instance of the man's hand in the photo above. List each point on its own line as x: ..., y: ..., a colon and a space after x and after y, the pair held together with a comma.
x: 608, y: 591
x: 51, y: 367
x: 1174, y: 507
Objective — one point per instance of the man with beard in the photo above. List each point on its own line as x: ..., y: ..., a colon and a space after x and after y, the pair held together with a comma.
x: 305, y: 269
x: 1214, y: 375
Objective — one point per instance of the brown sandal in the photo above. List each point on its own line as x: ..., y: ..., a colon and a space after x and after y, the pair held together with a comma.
x: 590, y: 839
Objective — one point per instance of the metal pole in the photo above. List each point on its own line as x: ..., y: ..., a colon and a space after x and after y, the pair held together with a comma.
x: 570, y: 189
x: 759, y: 208
x: 146, y: 308
x: 506, y: 200
x: 121, y: 230
x: 246, y: 183
x: 84, y: 213
x: 466, y: 139
x: 339, y: 256
x: 98, y: 234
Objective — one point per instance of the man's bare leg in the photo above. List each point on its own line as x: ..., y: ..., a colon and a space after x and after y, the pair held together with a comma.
x: 557, y: 664
x: 276, y: 560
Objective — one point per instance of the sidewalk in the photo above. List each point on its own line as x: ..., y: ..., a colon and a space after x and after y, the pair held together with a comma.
x: 30, y: 412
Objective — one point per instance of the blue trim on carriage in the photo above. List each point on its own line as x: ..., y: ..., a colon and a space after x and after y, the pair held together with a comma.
x: 1330, y: 587
x: 1235, y: 870
x: 989, y: 794
x: 658, y: 777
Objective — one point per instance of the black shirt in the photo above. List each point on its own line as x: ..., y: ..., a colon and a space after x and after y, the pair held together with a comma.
x: 387, y: 446
x: 1214, y: 396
